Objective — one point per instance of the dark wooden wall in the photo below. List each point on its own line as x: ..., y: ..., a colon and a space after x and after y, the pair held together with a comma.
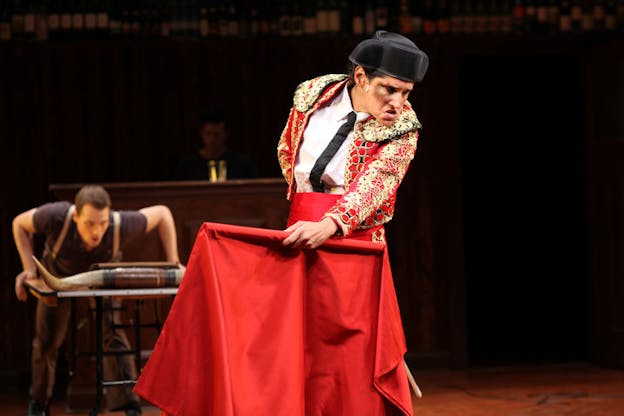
x: 76, y: 112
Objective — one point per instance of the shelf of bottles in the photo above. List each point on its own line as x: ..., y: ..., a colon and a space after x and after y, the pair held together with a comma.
x: 41, y: 20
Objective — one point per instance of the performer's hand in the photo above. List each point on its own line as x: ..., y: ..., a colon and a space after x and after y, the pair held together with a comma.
x: 20, y: 291
x: 310, y: 234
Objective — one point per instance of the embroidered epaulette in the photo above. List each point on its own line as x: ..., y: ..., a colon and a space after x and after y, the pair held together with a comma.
x: 373, y: 131
x: 309, y: 91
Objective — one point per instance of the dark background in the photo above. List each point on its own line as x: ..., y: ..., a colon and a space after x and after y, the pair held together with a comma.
x: 524, y: 219
x: 507, y: 241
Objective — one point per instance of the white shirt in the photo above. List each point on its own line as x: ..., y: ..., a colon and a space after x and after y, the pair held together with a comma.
x: 322, y: 127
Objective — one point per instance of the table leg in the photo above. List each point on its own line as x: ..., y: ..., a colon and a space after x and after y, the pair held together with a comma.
x: 99, y: 354
x: 137, y: 334
x: 73, y: 343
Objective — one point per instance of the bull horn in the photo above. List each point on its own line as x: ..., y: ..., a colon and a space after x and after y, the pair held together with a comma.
x: 75, y: 282
x: 120, y: 277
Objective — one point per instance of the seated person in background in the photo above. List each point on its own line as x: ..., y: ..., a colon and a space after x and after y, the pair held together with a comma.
x: 214, y: 160
x: 77, y: 237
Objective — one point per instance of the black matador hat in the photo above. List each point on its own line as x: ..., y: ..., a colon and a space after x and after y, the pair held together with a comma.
x: 391, y: 54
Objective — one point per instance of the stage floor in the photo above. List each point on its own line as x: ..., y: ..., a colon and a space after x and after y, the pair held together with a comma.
x: 545, y: 390
x: 549, y: 390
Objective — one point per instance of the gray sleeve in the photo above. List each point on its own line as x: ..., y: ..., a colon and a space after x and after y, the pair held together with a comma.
x: 48, y: 218
x: 133, y: 225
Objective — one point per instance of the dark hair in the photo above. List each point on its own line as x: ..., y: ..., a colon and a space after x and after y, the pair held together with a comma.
x: 94, y: 195
x: 212, y: 116
x: 370, y: 73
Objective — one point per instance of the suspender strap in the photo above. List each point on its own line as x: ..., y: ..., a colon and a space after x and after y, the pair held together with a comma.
x: 63, y: 233
x: 116, y: 225
x: 61, y: 237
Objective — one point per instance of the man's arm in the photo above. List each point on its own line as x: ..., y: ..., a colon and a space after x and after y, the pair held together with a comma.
x: 23, y: 229
x: 160, y: 216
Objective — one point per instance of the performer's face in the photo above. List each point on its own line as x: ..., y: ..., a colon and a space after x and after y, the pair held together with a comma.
x: 92, y: 223
x: 384, y: 97
x: 213, y: 135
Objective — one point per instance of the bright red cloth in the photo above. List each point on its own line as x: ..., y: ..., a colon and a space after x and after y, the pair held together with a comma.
x: 311, y: 206
x: 259, y: 329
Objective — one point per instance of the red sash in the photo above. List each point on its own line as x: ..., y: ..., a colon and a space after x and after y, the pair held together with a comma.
x: 311, y: 206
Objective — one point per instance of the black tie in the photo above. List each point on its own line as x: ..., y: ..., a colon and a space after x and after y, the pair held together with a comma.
x: 329, y: 152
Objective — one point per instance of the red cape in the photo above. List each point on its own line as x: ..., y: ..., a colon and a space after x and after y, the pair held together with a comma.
x: 259, y: 329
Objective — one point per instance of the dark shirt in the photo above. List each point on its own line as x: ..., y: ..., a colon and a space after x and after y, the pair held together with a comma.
x: 195, y: 167
x: 72, y: 257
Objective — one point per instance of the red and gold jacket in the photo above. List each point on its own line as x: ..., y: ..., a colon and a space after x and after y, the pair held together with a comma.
x: 377, y: 160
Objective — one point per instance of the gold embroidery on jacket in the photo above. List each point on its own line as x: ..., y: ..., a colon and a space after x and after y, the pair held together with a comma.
x: 309, y: 91
x: 378, y: 157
